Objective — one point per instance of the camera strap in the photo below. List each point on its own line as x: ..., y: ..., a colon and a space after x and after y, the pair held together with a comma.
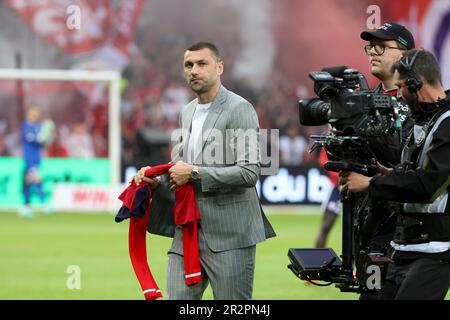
x: 413, y: 144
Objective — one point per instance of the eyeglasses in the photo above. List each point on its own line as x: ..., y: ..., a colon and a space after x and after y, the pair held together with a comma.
x: 379, y: 48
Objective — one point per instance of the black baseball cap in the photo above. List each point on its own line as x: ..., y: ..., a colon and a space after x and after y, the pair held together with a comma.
x: 391, y: 31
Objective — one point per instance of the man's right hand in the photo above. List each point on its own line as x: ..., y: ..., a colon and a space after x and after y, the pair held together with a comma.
x: 384, y: 171
x: 140, y: 177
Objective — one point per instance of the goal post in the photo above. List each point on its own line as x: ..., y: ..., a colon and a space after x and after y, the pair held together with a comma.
x: 112, y: 78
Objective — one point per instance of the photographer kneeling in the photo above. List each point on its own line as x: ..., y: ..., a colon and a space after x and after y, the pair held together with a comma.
x: 420, y: 258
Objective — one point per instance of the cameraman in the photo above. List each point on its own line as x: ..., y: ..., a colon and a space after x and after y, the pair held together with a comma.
x: 420, y: 259
x: 385, y: 48
x: 372, y: 221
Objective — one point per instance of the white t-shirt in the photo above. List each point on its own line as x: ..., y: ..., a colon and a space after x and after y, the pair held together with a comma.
x: 195, y: 145
x: 429, y: 247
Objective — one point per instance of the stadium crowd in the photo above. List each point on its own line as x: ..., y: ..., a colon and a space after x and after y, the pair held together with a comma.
x: 153, y: 93
x: 156, y: 91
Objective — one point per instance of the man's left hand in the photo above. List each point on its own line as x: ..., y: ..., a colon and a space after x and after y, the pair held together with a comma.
x: 353, y: 182
x: 180, y: 174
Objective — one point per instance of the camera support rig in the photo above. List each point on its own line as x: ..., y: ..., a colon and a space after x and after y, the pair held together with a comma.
x: 351, y: 154
x: 350, y: 248
x: 354, y: 154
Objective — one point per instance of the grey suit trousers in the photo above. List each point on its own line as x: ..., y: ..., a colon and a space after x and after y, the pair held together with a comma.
x: 230, y: 272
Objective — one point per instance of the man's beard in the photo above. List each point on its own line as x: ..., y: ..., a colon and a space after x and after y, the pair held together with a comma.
x: 200, y: 88
x: 413, y: 102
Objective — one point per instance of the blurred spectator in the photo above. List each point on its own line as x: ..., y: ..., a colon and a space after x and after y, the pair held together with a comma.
x: 100, y: 144
x: 80, y: 143
x: 173, y: 99
x: 138, y: 119
x: 3, y: 149
x: 100, y: 119
x: 154, y: 93
x: 55, y: 148
x: 12, y: 144
x: 129, y: 143
x: 293, y: 146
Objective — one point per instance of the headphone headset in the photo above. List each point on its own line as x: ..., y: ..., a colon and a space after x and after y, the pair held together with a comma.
x: 413, y: 82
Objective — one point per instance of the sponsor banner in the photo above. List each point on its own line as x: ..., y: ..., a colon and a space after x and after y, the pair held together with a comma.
x: 76, y: 184
x: 290, y: 185
x: 11, y: 182
x: 87, y: 197
x: 294, y: 185
x: 52, y: 171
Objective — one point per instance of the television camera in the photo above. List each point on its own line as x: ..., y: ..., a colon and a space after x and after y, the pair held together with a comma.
x: 356, y: 116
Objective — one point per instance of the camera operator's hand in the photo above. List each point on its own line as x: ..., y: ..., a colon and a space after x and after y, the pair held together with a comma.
x: 384, y: 171
x: 352, y: 182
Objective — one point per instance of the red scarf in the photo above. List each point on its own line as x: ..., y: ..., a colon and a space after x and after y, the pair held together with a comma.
x: 137, y: 203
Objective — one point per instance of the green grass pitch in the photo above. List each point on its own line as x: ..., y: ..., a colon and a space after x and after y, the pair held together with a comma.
x: 35, y: 255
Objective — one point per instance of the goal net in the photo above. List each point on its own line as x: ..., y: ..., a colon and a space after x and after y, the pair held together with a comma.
x: 82, y: 106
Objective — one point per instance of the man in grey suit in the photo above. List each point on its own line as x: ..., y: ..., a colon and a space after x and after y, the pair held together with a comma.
x: 218, y: 150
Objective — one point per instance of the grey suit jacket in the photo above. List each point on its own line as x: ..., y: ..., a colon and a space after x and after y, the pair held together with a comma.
x: 231, y: 214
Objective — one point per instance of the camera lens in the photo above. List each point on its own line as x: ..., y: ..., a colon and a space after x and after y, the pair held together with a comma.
x: 326, y: 92
x: 313, y: 112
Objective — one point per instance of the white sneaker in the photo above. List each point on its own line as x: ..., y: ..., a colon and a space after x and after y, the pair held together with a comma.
x: 26, y: 212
